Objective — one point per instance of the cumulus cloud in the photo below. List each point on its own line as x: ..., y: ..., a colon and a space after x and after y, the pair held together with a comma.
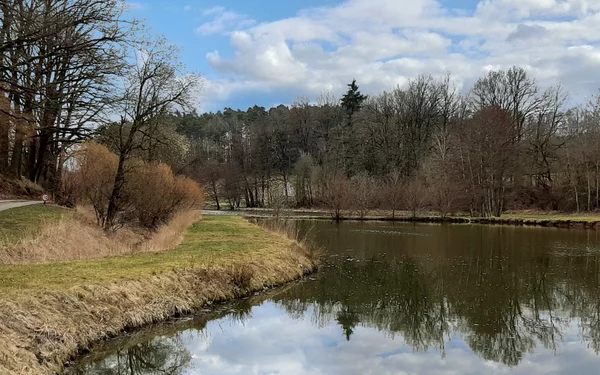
x: 223, y: 20
x: 524, y: 32
x: 271, y: 342
x: 383, y: 43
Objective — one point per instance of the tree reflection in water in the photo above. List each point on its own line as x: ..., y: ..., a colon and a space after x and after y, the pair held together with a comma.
x: 158, y: 350
x: 502, y: 289
x: 165, y: 356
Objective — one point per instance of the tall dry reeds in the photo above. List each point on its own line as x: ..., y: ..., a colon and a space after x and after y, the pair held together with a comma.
x: 172, y: 234
x: 290, y: 229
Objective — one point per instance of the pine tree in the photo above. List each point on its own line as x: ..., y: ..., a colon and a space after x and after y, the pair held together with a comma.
x: 353, y: 100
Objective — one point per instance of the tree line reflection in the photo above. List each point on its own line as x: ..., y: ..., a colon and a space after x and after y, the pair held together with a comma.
x: 158, y: 350
x: 505, y: 291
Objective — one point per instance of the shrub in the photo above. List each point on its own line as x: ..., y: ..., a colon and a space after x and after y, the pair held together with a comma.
x: 93, y: 177
x: 188, y: 194
x: 338, y: 195
x: 152, y: 193
x: 156, y: 194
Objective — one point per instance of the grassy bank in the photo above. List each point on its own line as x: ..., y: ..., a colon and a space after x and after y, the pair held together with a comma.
x: 49, y: 311
x: 549, y: 219
x: 19, y: 223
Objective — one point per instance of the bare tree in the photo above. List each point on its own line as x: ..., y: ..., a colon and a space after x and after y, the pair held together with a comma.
x: 364, y: 194
x: 488, y: 156
x: 393, y: 190
x: 155, y: 85
x: 338, y: 195
x: 56, y: 65
x: 415, y: 195
x: 546, y: 136
x: 211, y: 174
x: 511, y: 90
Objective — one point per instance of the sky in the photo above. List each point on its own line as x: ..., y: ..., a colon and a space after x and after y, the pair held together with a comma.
x: 269, y: 52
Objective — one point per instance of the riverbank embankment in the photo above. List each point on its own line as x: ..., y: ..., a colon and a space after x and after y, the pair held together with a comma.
x: 540, y: 219
x: 51, y: 311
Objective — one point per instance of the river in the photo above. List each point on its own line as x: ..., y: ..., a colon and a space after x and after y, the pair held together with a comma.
x: 396, y: 299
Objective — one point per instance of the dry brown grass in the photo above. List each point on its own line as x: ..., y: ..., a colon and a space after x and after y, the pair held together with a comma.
x: 78, y: 303
x: 289, y: 229
x: 171, y: 235
x: 77, y: 237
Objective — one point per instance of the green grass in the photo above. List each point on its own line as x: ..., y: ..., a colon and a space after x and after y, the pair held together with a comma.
x: 216, y: 240
x: 553, y: 217
x: 21, y: 222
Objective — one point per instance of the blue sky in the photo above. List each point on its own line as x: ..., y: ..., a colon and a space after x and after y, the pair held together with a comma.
x: 270, y: 52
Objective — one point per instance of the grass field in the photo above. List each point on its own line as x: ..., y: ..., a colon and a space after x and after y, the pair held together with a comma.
x: 553, y: 217
x: 21, y: 222
x: 216, y: 240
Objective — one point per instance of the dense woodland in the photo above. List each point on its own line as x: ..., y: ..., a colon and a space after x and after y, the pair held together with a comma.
x: 78, y: 70
x: 506, y: 144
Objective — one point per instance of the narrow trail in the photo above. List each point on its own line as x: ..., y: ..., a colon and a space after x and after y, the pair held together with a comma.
x: 5, y: 205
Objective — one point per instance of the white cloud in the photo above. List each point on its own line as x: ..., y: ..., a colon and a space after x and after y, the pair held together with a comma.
x: 271, y: 342
x: 383, y: 43
x: 214, y: 10
x: 223, y: 20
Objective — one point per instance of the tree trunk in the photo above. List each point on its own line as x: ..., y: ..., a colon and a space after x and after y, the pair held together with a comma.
x: 216, y: 194
x: 589, y: 190
x: 4, y: 143
x: 31, y: 158
x: 17, y: 152
x: 597, y: 185
x: 41, y: 156
x: 285, y: 185
x: 115, y: 197
x: 113, y: 203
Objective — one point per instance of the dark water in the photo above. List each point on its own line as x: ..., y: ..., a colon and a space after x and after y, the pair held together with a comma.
x: 398, y: 299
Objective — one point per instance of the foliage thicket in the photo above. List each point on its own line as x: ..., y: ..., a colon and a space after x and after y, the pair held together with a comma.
x: 152, y: 194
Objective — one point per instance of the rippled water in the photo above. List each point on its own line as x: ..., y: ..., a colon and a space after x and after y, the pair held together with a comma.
x: 397, y: 299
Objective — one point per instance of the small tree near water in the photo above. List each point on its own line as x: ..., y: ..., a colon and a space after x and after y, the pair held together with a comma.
x: 338, y: 195
x: 415, y: 195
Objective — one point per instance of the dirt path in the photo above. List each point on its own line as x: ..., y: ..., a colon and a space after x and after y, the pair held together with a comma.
x: 5, y: 205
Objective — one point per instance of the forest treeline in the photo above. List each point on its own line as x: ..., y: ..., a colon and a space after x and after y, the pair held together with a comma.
x: 506, y: 144
x: 75, y: 70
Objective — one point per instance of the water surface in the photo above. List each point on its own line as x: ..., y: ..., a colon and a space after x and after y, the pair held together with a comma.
x: 397, y: 299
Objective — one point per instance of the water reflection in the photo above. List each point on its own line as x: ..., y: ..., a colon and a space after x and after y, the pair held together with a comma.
x: 160, y: 356
x: 403, y: 298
